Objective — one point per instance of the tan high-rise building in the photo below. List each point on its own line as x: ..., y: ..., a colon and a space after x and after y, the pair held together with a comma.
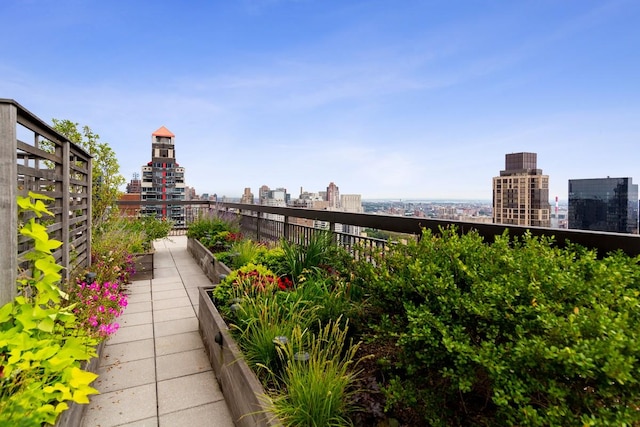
x: 247, y: 196
x: 521, y: 193
x: 333, y: 195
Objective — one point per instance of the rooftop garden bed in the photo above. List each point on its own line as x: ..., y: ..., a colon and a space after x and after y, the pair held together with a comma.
x: 449, y: 330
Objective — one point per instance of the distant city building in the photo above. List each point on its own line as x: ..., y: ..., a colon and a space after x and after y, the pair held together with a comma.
x: 263, y: 195
x: 190, y: 193
x: 135, y: 185
x: 521, y: 193
x: 163, y: 178
x: 603, y: 204
x: 133, y: 194
x: 333, y: 195
x: 308, y: 200
x: 351, y: 203
x: 247, y: 196
x: 130, y: 209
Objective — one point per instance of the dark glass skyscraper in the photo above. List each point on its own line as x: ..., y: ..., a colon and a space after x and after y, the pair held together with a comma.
x: 603, y: 204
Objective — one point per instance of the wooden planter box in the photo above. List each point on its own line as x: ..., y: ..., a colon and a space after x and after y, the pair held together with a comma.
x: 72, y: 417
x: 144, y: 266
x: 211, y: 267
x: 243, y: 392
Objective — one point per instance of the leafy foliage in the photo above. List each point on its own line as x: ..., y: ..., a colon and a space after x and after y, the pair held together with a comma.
x: 511, y: 333
x: 105, y: 170
x: 315, y: 253
x: 208, y: 225
x: 40, y: 346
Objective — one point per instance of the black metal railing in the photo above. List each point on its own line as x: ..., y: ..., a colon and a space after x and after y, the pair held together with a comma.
x: 269, y: 223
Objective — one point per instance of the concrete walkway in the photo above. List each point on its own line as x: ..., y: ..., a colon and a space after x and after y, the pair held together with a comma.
x: 154, y: 370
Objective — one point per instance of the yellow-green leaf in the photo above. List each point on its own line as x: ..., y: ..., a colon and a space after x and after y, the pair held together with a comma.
x: 80, y: 378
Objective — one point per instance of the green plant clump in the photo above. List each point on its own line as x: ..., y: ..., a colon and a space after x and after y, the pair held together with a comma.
x: 318, y: 373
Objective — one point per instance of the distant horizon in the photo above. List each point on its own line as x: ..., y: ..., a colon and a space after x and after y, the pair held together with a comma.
x: 407, y: 199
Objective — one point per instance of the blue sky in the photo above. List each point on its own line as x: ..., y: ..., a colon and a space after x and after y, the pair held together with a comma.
x: 386, y: 98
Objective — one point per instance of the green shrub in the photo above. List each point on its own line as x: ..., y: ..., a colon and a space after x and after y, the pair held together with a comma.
x: 511, y: 333
x: 273, y: 257
x: 209, y: 225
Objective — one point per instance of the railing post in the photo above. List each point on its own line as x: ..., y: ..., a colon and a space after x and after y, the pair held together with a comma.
x: 332, y: 230
x: 285, y: 224
x: 258, y: 223
x: 8, y: 203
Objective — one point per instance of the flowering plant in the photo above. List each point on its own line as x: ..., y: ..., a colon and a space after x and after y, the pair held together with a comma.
x: 285, y: 283
x: 232, y: 237
x: 98, y: 304
x: 113, y: 266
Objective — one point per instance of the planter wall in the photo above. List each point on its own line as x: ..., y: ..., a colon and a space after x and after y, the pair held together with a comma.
x: 211, y: 267
x: 72, y: 417
x: 144, y: 267
x: 242, y: 390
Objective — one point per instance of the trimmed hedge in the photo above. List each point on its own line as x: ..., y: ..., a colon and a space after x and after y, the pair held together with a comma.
x: 514, y: 332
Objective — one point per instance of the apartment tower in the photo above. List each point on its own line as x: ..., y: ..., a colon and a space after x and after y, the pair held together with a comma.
x: 163, y: 178
x: 521, y: 193
x: 333, y: 195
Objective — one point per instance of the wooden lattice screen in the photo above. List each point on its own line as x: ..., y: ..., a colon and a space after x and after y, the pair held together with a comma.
x: 34, y: 157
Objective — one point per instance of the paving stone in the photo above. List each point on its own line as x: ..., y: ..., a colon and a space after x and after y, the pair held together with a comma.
x: 120, y: 376
x: 132, y: 333
x: 177, y: 343
x: 126, y: 352
x: 173, y: 314
x: 164, y: 304
x: 173, y: 327
x: 211, y: 415
x: 122, y: 407
x: 181, y: 364
x: 138, y: 307
x: 177, y: 293
x: 134, y: 319
x: 165, y: 272
x: 188, y: 392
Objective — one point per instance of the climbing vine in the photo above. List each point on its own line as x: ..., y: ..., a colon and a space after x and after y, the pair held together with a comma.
x: 40, y: 346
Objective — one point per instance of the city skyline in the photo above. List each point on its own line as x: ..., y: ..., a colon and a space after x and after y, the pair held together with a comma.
x: 414, y: 101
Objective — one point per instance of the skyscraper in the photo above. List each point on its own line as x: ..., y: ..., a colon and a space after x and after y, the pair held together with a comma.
x: 163, y: 178
x: 263, y: 194
x: 603, y: 204
x: 521, y: 193
x: 333, y: 195
x: 247, y: 196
